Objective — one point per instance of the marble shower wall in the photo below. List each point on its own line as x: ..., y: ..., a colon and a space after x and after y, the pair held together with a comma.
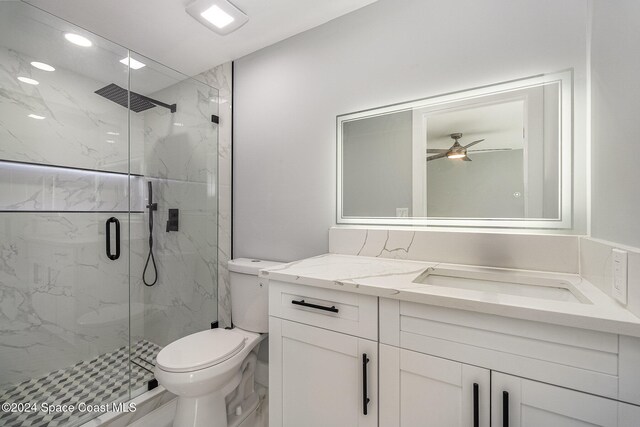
x: 180, y: 160
x: 221, y: 77
x: 78, y: 124
x: 61, y: 299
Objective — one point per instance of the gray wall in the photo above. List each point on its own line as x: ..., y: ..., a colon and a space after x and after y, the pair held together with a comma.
x: 377, y: 165
x: 287, y: 97
x: 482, y: 188
x: 615, y: 125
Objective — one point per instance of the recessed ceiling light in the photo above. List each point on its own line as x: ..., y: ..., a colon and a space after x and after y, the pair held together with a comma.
x: 78, y: 39
x: 136, y: 65
x: 219, y: 15
x: 37, y: 117
x: 110, y: 141
x: 28, y: 81
x: 178, y: 124
x: 113, y: 133
x: 42, y: 66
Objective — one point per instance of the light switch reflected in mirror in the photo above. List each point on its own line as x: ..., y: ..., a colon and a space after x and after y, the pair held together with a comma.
x: 498, y: 156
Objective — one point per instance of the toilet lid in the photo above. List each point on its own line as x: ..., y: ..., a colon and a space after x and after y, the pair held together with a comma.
x: 200, y: 350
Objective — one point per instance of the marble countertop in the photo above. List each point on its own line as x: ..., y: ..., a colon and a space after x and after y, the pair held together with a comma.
x: 392, y: 278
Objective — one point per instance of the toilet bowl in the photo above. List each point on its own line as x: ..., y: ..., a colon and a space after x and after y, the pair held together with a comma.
x: 212, y: 372
x: 202, y: 369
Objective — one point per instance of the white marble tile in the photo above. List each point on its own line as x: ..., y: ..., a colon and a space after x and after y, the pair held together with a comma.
x: 26, y: 187
x: 181, y: 162
x: 523, y: 251
x: 221, y: 78
x: 53, y: 267
x: 74, y: 131
x: 54, y: 274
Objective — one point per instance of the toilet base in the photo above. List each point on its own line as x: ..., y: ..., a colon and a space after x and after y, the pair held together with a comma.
x: 248, y: 416
x: 209, y: 410
x: 205, y: 411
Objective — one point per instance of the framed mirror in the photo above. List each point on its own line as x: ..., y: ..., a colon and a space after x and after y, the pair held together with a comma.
x: 494, y: 156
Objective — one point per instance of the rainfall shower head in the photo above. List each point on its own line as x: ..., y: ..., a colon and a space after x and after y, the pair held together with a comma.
x: 123, y: 97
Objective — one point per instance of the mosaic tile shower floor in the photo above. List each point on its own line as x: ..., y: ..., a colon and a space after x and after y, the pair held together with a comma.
x: 101, y: 380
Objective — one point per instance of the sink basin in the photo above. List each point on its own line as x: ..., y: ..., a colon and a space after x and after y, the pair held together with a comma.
x: 505, y: 282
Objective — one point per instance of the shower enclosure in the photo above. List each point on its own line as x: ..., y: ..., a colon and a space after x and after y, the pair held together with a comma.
x: 87, y: 127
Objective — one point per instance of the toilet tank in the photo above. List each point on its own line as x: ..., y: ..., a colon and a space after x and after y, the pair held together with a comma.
x: 249, y: 295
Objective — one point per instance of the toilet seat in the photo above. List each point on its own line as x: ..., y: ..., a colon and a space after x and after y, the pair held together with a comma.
x: 200, y: 350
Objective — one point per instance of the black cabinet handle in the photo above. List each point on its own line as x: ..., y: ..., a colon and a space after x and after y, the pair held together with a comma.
x: 505, y: 409
x: 365, y: 393
x: 476, y: 407
x: 332, y: 309
x: 111, y: 256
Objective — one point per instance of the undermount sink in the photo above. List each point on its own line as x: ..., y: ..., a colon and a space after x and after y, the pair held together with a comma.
x: 504, y: 282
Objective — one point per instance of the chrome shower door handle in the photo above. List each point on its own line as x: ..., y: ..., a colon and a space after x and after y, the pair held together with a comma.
x: 111, y: 256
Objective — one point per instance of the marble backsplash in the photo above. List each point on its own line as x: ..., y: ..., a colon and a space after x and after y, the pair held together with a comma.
x: 523, y: 251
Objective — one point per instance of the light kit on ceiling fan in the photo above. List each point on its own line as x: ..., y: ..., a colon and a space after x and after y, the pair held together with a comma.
x: 457, y: 151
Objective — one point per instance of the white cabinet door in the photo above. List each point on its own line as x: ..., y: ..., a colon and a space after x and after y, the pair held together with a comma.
x: 417, y: 390
x: 628, y: 415
x: 517, y: 402
x: 321, y: 378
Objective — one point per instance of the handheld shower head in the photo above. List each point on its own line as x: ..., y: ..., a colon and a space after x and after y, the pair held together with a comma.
x: 152, y: 207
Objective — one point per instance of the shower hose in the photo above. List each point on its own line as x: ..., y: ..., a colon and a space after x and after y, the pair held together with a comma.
x: 152, y: 206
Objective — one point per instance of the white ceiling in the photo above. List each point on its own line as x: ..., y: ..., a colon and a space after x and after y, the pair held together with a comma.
x: 164, y: 32
x: 500, y: 125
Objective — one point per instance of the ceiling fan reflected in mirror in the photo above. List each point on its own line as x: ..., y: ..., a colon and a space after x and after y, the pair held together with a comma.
x: 457, y: 151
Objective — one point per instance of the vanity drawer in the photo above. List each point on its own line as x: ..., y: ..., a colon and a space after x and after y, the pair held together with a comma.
x: 339, y: 311
x: 570, y: 357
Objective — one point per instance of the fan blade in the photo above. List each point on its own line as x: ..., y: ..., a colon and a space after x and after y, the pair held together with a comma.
x: 437, y: 150
x: 473, y: 143
x: 437, y: 156
x: 491, y: 149
x: 466, y: 159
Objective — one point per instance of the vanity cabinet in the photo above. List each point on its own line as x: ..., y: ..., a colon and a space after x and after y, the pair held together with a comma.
x: 418, y: 390
x: 345, y: 359
x: 320, y: 377
x: 517, y: 402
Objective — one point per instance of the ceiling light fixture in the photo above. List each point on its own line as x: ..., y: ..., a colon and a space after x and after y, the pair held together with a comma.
x: 134, y: 64
x: 28, y: 81
x: 111, y: 141
x: 219, y: 15
x: 77, y: 39
x: 113, y: 133
x: 37, y: 117
x: 42, y: 66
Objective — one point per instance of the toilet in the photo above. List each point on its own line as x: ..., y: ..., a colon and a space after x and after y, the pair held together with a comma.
x: 212, y: 372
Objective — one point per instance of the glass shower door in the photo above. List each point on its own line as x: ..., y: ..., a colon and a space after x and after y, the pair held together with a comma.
x: 66, y: 193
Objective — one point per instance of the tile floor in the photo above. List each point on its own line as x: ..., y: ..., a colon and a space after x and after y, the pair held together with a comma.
x: 98, y: 381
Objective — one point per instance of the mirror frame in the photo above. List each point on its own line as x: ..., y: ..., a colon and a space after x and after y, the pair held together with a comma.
x: 565, y: 219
